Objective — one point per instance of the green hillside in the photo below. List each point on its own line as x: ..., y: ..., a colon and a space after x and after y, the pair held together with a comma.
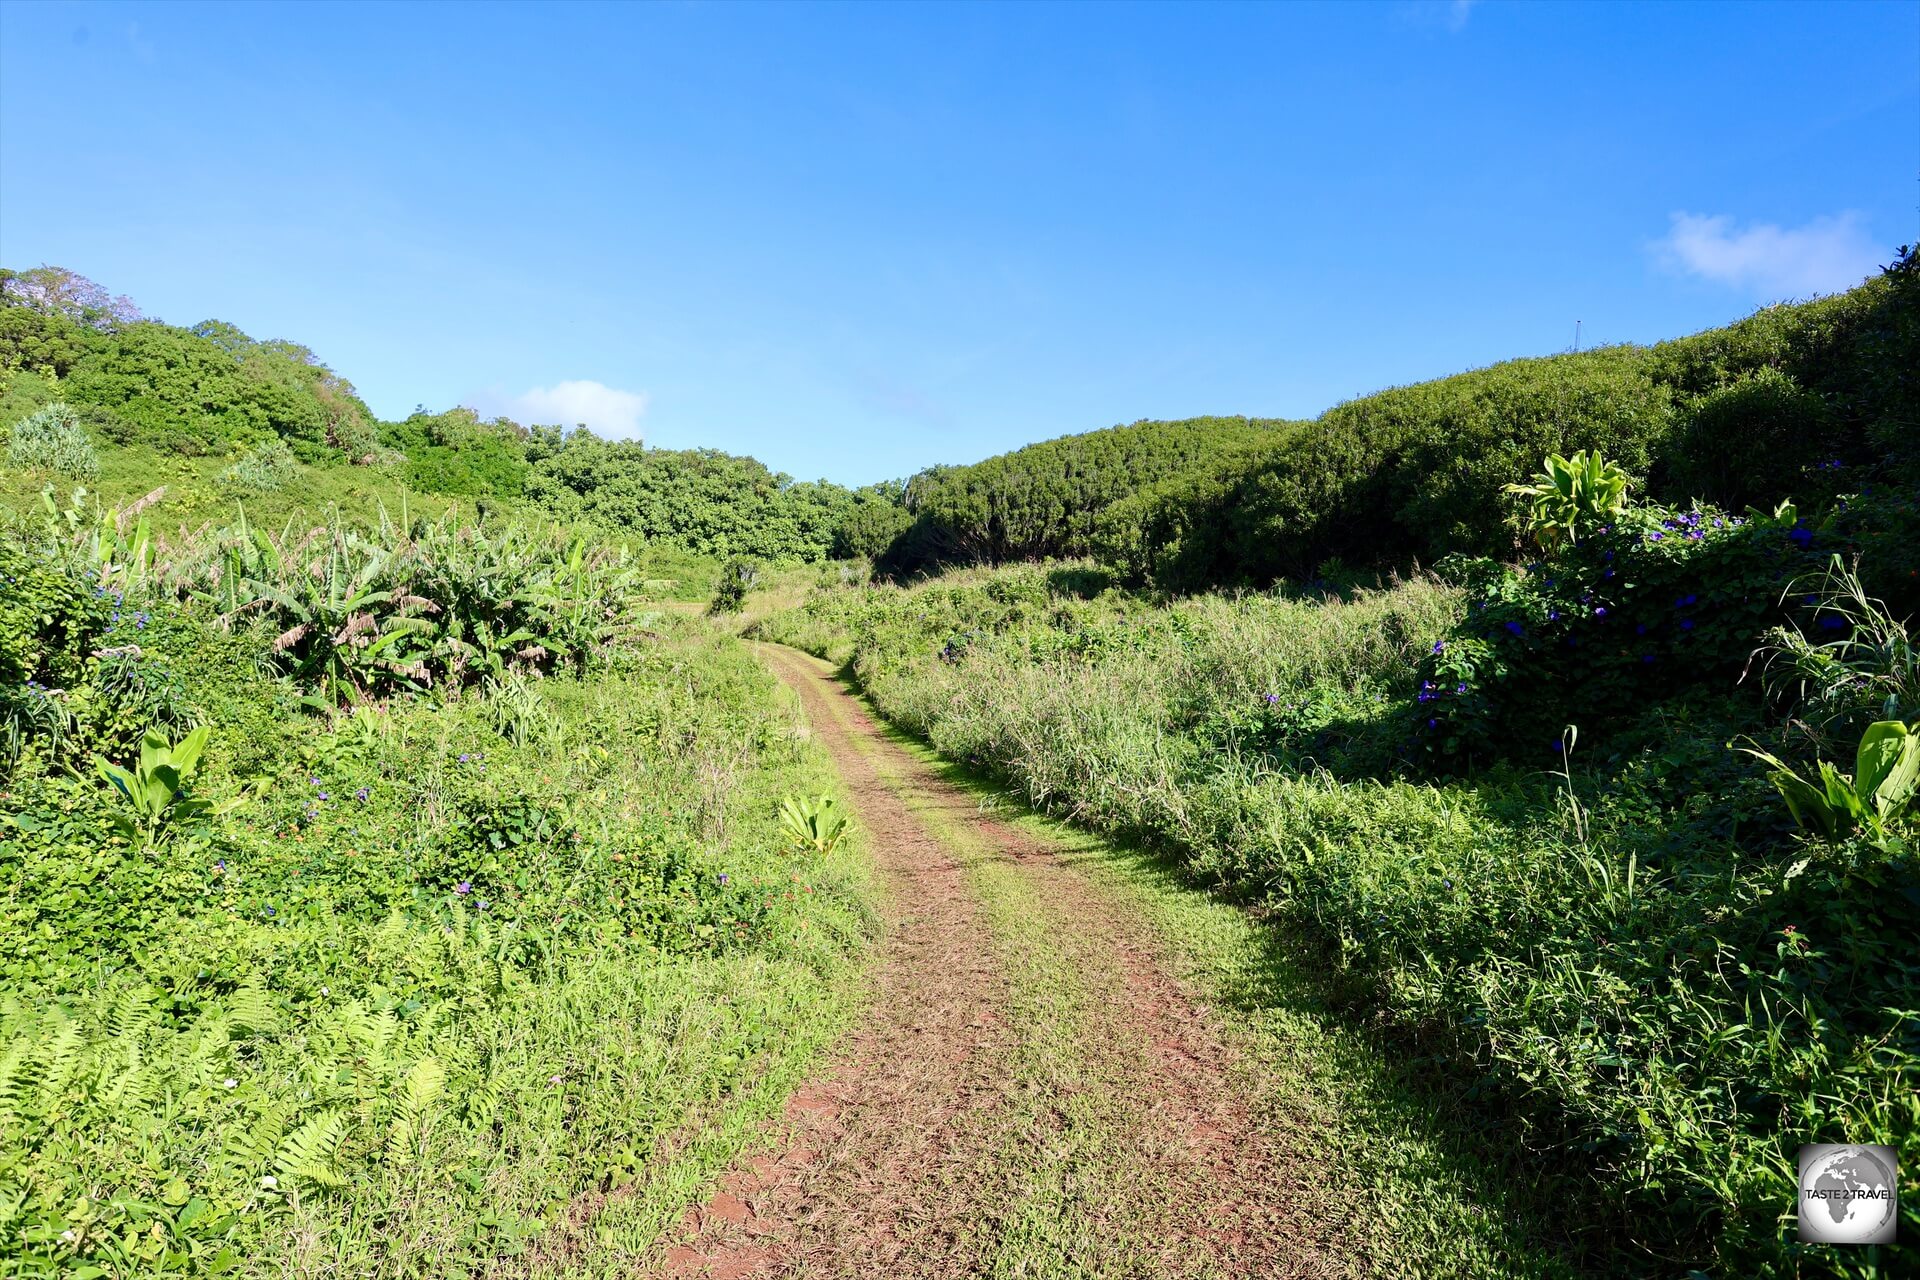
x: 213, y: 418
x: 1804, y: 399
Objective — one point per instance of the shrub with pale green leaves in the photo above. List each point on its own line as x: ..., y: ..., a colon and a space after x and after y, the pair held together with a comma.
x: 266, y: 468
x: 53, y: 440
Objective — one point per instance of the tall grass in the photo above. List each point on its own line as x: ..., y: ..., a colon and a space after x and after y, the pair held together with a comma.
x: 1620, y: 947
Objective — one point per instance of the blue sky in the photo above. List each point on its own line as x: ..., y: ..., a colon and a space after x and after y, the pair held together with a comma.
x: 855, y: 241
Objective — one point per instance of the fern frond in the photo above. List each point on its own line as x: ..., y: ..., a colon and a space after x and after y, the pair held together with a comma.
x: 307, y: 1154
x: 423, y: 1087
x: 253, y: 1008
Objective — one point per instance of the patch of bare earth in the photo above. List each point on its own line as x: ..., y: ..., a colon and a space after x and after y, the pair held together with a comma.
x: 887, y: 1167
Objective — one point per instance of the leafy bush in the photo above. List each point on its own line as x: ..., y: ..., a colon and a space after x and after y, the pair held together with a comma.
x: 1045, y: 499
x: 1750, y: 441
x: 456, y: 453
x: 702, y: 500
x: 737, y: 577
x: 1656, y: 604
x: 1570, y: 498
x: 266, y: 468
x: 1413, y: 472
x: 53, y: 440
x: 1799, y: 401
x: 1872, y: 800
x: 875, y: 520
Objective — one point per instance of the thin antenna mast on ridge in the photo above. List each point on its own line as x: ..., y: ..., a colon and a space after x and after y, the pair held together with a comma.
x: 1576, y: 337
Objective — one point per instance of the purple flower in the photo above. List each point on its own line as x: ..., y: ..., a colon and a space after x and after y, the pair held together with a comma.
x: 465, y: 886
x: 1516, y: 629
x: 324, y: 796
x: 1600, y: 611
x: 1461, y: 687
x: 464, y: 757
x: 220, y: 865
x: 1686, y: 600
x: 1646, y: 657
x: 1686, y: 624
x: 1439, y: 646
x: 1433, y: 724
x: 1800, y: 535
x: 1655, y: 537
x: 723, y: 877
x: 1271, y: 698
x: 362, y: 793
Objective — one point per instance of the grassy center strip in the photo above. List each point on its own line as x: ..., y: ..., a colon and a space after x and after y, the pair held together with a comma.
x: 1072, y: 1196
x: 1424, y: 1195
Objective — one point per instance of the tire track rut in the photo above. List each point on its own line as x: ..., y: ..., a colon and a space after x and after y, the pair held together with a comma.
x: 903, y: 1158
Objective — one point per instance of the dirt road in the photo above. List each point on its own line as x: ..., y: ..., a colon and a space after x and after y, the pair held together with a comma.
x: 1029, y: 1094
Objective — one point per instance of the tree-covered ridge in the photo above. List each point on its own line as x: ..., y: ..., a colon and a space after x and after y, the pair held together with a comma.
x: 206, y: 390
x: 697, y: 498
x: 214, y: 392
x: 1804, y: 400
x: 1045, y: 499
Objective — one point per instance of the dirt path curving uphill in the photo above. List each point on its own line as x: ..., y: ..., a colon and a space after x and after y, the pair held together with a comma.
x: 1029, y: 1093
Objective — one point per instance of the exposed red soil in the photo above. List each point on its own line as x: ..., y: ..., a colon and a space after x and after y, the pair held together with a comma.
x: 886, y: 1164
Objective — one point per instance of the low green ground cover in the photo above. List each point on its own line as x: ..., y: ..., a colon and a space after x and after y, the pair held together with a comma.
x: 397, y: 972
x: 1613, y: 939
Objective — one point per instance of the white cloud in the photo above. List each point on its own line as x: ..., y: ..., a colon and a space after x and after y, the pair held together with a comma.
x: 1825, y: 256
x: 608, y: 410
x: 1458, y: 12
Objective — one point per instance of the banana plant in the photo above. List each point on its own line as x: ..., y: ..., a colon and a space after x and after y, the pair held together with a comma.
x: 1873, y: 800
x: 154, y: 791
x: 814, y: 823
x: 1570, y: 497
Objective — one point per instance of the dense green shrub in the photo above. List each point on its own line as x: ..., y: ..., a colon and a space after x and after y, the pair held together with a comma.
x: 871, y: 525
x: 1749, y: 441
x: 37, y: 343
x: 265, y: 468
x: 702, y: 500
x: 201, y: 391
x: 1412, y: 473
x: 53, y: 440
x: 1795, y: 401
x: 456, y: 453
x: 737, y: 578
x: 1659, y: 603
x: 1045, y: 499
